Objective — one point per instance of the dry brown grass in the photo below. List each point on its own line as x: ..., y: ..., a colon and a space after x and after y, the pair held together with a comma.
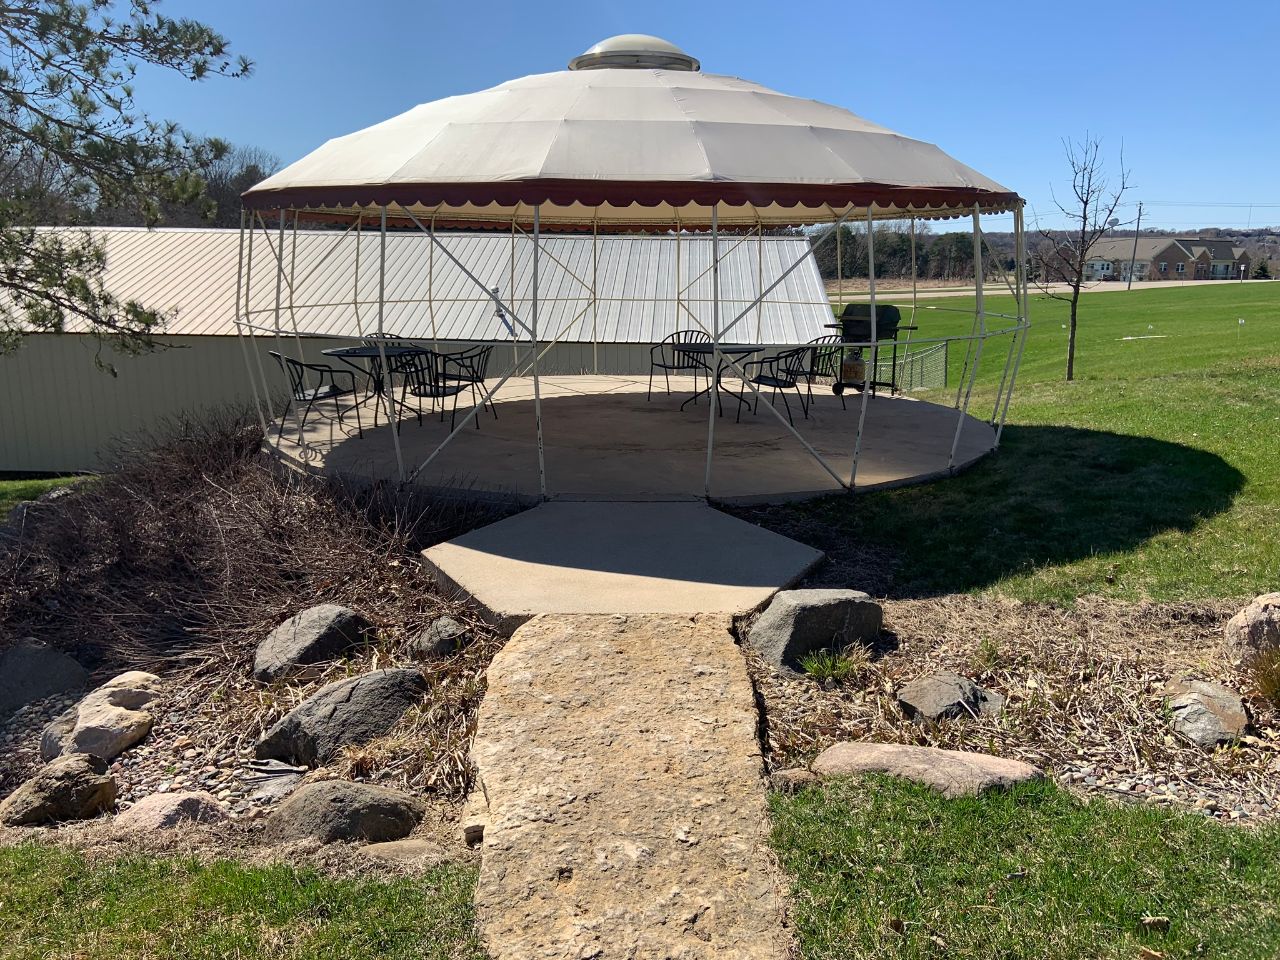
x: 186, y: 554
x: 1083, y: 688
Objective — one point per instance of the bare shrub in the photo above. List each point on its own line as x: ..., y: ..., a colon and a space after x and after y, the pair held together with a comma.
x: 192, y: 547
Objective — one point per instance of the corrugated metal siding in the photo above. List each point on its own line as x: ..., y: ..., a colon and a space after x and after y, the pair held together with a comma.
x: 58, y: 412
x: 192, y: 273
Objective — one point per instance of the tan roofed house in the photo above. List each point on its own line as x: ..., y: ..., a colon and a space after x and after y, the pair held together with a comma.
x: 1165, y: 258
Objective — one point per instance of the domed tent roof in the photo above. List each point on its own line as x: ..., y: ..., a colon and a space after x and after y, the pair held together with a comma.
x: 633, y: 137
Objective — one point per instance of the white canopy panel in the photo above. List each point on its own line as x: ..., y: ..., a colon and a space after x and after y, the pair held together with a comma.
x: 628, y: 147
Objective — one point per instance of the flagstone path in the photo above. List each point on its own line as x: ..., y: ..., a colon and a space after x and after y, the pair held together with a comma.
x: 621, y: 786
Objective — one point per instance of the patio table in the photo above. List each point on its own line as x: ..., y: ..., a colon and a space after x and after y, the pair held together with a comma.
x: 729, y: 350
x: 367, y: 360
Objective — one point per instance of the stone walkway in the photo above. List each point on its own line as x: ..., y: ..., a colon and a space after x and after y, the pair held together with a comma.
x: 620, y: 781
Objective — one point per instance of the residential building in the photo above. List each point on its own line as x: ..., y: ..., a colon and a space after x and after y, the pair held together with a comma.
x: 1166, y: 258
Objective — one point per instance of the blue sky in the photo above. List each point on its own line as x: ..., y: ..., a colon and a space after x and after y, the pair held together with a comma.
x: 996, y: 84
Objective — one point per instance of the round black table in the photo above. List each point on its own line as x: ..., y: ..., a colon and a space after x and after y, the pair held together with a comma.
x: 728, y: 350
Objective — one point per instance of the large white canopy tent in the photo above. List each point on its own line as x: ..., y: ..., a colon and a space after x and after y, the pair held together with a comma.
x: 632, y: 137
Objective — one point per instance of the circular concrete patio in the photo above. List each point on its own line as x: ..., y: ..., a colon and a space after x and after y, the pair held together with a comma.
x: 604, y: 440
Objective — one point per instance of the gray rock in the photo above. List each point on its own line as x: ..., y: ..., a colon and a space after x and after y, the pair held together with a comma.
x: 271, y: 780
x: 107, y: 721
x: 342, y: 713
x: 1253, y: 631
x: 30, y: 670
x: 953, y: 773
x: 797, y: 622
x: 74, y: 787
x: 1205, y: 713
x: 414, y: 851
x: 333, y: 810
x: 946, y: 695
x: 313, y: 636
x: 440, y: 639
x: 167, y: 811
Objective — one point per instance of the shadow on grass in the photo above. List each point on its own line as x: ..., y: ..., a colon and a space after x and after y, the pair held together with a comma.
x: 1050, y: 495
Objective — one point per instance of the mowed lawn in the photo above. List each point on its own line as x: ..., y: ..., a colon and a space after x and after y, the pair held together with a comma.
x: 56, y: 904
x: 14, y: 491
x: 889, y: 870
x: 1155, y: 475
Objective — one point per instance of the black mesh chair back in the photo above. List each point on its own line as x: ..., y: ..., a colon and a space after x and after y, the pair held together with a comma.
x: 667, y: 355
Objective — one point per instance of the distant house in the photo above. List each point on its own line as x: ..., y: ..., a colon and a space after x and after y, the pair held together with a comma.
x: 1166, y: 258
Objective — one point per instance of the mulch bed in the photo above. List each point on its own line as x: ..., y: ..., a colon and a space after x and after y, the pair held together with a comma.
x: 1083, y: 698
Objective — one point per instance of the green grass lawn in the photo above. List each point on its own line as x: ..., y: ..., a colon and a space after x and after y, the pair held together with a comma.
x: 15, y: 491
x: 1154, y: 475
x: 889, y: 870
x: 54, y: 904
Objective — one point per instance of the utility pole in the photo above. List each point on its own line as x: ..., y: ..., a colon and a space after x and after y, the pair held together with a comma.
x: 1133, y: 259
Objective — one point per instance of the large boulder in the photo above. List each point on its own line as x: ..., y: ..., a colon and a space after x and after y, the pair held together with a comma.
x: 342, y: 713
x: 315, y: 635
x: 1205, y: 713
x: 333, y: 810
x: 945, y: 695
x: 168, y: 811
x: 798, y: 622
x: 953, y: 773
x: 74, y: 787
x: 107, y: 721
x: 30, y: 670
x: 1253, y: 631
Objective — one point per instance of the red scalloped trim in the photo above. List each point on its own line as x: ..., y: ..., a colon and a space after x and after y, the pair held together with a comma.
x: 621, y: 194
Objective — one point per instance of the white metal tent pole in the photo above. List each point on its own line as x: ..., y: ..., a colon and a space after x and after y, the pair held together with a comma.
x: 253, y: 340
x: 431, y: 286
x: 868, y: 369
x: 715, y: 344
x: 840, y: 268
x: 533, y: 321
x: 759, y: 279
x: 293, y: 318
x: 355, y: 283
x: 981, y: 322
x: 1013, y: 343
x: 1023, y: 319
x: 244, y: 347
x: 293, y: 270
x: 387, y: 389
x: 515, y: 347
x: 276, y: 322
x: 595, y: 295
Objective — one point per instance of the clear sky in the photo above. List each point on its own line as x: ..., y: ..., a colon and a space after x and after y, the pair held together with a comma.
x: 1182, y: 85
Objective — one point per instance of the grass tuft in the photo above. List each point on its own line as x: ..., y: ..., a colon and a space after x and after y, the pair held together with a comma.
x: 840, y: 666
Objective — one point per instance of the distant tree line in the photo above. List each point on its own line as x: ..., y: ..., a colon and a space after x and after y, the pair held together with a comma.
x: 939, y: 256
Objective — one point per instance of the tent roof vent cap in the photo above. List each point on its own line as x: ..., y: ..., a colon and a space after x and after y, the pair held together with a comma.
x: 634, y: 51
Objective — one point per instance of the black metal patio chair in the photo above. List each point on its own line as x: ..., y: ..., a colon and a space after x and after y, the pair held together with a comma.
x: 825, y: 358
x: 326, y: 388
x: 470, y: 367
x: 782, y: 372
x: 423, y: 378
x: 666, y: 355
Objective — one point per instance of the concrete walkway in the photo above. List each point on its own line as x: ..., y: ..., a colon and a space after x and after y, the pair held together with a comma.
x: 625, y: 808
x: 593, y: 557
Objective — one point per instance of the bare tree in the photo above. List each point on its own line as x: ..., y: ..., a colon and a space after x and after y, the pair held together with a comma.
x: 1061, y: 255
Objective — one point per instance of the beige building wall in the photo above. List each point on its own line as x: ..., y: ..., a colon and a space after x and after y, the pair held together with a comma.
x: 59, y: 413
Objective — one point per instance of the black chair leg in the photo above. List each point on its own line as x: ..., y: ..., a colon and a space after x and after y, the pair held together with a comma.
x: 649, y: 396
